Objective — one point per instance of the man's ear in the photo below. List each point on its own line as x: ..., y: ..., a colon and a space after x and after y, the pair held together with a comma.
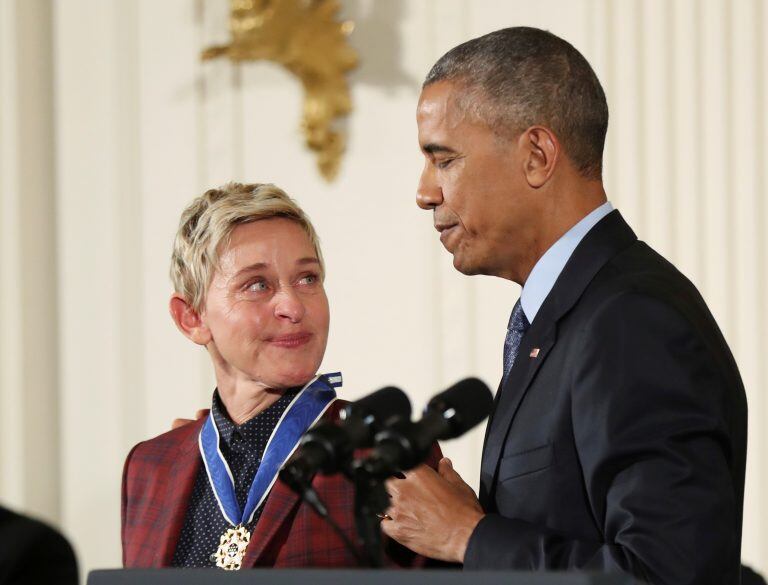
x: 188, y: 320
x: 542, y: 152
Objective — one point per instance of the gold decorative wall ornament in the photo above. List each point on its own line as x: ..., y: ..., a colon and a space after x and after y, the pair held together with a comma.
x: 306, y: 38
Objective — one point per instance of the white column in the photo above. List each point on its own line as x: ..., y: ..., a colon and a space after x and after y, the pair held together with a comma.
x: 100, y: 295
x: 29, y: 426
x: 748, y: 273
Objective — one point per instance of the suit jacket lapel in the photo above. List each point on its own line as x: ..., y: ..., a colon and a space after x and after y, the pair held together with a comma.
x: 541, y: 336
x: 277, y: 512
x: 610, y: 236
x: 180, y: 482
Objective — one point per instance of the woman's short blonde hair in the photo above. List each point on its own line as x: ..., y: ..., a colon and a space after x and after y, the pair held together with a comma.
x: 207, y: 224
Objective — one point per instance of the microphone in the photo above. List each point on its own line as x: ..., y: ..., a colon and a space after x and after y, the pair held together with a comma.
x: 405, y: 444
x: 328, y: 447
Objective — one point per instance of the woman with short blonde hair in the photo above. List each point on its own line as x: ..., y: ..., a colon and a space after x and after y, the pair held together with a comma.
x: 208, y: 221
x: 248, y: 286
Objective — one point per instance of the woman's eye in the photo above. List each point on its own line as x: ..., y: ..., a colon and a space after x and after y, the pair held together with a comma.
x: 258, y: 286
x: 309, y: 279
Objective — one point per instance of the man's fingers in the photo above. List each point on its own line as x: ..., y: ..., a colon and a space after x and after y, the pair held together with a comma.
x: 387, y: 527
x: 448, y: 473
x: 180, y: 422
x: 418, y: 472
x: 392, y: 487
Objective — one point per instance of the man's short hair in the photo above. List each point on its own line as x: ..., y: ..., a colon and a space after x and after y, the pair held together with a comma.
x: 207, y: 224
x: 519, y: 77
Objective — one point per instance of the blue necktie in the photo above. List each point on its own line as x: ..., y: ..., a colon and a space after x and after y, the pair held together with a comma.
x: 518, y: 325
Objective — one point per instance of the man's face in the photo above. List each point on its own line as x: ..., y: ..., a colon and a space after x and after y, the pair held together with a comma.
x: 266, y: 307
x: 474, y: 182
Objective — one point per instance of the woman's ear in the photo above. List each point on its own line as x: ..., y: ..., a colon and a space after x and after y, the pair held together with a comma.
x: 188, y: 320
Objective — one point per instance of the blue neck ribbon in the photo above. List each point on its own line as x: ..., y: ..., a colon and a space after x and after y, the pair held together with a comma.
x: 303, y: 411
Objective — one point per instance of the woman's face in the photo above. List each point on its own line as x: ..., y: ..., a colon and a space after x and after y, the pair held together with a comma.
x: 266, y: 308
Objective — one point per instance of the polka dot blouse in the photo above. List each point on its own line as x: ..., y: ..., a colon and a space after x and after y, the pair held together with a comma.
x: 243, y: 447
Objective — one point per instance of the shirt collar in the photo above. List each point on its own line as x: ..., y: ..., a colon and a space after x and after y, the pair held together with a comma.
x: 551, y: 264
x: 249, y: 428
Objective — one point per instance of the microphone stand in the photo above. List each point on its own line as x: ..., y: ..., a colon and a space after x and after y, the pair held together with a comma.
x: 371, y: 500
x: 311, y: 497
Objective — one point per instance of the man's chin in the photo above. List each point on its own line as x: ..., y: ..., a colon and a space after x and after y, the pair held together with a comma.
x: 463, y: 265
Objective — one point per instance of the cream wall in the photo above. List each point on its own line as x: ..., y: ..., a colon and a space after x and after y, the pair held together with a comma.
x: 110, y: 124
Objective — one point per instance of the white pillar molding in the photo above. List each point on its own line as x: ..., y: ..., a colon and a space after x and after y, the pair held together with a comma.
x: 99, y: 274
x: 172, y: 162
x: 747, y: 276
x: 454, y: 296
x: 29, y: 406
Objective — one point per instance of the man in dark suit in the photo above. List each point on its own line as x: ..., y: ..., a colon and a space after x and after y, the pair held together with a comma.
x: 618, y: 438
x: 33, y: 553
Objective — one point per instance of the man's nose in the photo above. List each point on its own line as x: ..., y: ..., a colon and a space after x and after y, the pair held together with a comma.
x: 288, y: 305
x: 429, y: 194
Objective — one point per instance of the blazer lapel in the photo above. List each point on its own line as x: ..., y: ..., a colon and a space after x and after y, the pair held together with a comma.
x: 277, y: 511
x: 541, y: 337
x: 610, y: 236
x: 180, y: 482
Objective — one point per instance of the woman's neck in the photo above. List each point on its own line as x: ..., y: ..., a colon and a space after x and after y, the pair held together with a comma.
x: 243, y: 401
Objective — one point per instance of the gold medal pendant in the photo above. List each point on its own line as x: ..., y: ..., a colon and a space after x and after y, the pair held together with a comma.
x: 229, y: 555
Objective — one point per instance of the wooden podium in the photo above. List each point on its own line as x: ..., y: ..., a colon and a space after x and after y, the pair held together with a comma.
x: 349, y: 577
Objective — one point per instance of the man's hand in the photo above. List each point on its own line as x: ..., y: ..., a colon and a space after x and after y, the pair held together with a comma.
x: 432, y: 513
x: 180, y: 422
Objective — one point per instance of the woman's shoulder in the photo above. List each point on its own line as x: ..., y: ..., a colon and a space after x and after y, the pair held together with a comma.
x: 168, y: 444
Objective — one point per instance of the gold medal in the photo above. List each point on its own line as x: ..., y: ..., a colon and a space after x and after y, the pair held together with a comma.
x: 229, y: 555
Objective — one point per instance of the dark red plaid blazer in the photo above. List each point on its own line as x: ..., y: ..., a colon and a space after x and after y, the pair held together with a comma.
x: 158, y: 478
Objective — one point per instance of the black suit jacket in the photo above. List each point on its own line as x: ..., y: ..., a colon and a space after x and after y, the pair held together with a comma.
x: 619, y: 440
x: 33, y: 553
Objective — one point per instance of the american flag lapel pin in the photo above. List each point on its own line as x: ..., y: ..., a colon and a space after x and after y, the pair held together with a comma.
x: 535, y: 352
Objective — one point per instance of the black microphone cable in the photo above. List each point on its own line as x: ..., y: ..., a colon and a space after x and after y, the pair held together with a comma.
x: 311, y: 497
